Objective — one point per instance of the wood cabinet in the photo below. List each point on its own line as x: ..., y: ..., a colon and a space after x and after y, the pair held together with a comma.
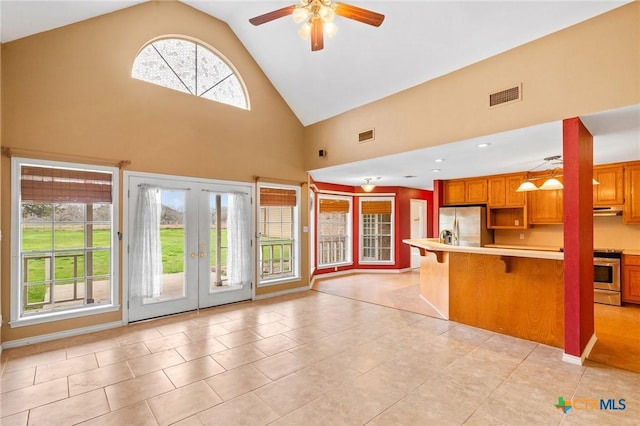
x: 465, y: 191
x: 610, y: 190
x: 545, y: 207
x: 506, y: 207
x: 630, y: 278
x: 502, y: 191
x: 631, y: 210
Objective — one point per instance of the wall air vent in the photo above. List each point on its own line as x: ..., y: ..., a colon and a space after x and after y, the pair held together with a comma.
x: 506, y: 96
x: 366, y: 136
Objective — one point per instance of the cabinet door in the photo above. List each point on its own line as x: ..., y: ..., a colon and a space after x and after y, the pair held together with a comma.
x: 476, y: 191
x: 609, y: 192
x: 497, y: 191
x: 513, y: 198
x: 545, y: 207
x: 454, y: 191
x: 631, y: 212
x: 631, y: 279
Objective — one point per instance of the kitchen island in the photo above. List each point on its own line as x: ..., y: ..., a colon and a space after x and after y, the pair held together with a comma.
x: 514, y: 291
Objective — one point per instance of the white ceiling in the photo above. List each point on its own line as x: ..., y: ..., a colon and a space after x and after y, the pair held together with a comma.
x: 418, y: 41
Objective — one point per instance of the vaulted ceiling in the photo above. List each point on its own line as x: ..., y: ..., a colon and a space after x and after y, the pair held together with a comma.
x: 418, y: 41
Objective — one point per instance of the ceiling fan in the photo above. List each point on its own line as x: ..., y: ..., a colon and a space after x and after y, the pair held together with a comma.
x: 317, y: 16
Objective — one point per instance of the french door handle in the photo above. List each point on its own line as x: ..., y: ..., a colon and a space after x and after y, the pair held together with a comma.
x: 193, y: 255
x: 201, y: 254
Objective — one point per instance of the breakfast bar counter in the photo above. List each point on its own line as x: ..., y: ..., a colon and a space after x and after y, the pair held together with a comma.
x: 507, y: 289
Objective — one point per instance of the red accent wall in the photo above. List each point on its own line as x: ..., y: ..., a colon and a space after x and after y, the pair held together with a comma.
x: 438, y: 192
x: 578, y: 236
x: 402, y: 213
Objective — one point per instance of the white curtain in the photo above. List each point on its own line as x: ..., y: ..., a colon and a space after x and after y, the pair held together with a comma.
x: 239, y: 266
x: 146, y: 251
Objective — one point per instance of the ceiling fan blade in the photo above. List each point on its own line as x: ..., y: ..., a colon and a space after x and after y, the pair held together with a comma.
x: 317, y: 34
x: 275, y: 14
x: 358, y: 14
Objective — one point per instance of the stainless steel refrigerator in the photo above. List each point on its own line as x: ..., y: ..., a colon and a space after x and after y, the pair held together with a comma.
x: 465, y: 226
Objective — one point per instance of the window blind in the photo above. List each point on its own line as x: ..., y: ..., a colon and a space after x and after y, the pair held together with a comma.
x: 277, y: 197
x: 56, y: 185
x: 376, y: 207
x: 329, y: 205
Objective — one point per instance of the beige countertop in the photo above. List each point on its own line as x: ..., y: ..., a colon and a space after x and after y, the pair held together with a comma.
x: 432, y: 244
x: 631, y: 252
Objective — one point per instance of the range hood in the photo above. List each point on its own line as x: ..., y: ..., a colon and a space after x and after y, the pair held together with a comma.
x: 607, y: 211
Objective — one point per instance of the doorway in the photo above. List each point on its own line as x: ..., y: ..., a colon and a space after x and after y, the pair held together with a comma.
x: 418, y: 219
x: 189, y: 244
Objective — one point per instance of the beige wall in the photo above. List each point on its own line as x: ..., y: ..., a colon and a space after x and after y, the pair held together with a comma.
x: 69, y: 92
x: 590, y: 67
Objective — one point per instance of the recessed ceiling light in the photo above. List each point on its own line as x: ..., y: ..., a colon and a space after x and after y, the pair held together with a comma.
x: 439, y: 160
x: 483, y: 145
x: 436, y: 170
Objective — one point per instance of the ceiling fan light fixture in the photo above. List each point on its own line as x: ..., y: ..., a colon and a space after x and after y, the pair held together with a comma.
x: 300, y: 14
x: 330, y: 28
x: 326, y: 13
x: 305, y: 31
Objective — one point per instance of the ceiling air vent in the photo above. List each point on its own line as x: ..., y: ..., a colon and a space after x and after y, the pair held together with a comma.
x: 512, y: 94
x: 366, y: 136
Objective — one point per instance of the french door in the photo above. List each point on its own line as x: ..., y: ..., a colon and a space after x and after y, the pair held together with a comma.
x: 189, y: 244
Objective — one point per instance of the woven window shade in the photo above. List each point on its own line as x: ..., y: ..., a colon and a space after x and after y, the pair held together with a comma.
x: 277, y: 197
x: 328, y: 205
x: 53, y: 185
x: 376, y: 207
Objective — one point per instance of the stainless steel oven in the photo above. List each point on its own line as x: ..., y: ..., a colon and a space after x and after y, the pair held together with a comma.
x: 606, y: 276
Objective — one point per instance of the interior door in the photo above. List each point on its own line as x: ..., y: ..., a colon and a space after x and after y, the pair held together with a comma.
x: 192, y: 258
x: 418, y: 219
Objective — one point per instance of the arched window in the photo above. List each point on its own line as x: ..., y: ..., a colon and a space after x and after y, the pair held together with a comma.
x: 189, y: 67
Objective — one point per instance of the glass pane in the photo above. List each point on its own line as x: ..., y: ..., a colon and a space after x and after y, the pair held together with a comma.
x: 98, y: 280
x: 36, y: 238
x: 218, y: 241
x: 98, y: 235
x: 37, y: 213
x: 69, y: 212
x: 36, y: 297
x: 69, y: 236
x: 102, y: 212
x: 172, y: 243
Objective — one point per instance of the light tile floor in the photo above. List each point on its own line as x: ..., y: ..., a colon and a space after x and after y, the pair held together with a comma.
x: 305, y: 359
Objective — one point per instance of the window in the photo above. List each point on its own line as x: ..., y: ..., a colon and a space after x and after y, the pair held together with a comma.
x: 334, y: 230
x: 279, y: 248
x: 376, y: 230
x: 64, y: 229
x: 189, y: 67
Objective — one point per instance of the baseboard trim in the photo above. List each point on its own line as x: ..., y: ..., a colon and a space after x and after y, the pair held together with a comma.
x: 281, y: 293
x: 579, y: 360
x: 60, y: 334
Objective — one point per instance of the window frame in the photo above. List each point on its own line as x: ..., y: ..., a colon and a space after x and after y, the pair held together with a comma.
x: 17, y: 316
x: 348, y: 232
x: 296, y: 249
x: 210, y: 49
x: 361, y: 235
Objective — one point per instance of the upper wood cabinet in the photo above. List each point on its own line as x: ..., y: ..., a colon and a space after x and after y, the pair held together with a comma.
x: 502, y: 191
x: 545, y: 207
x: 610, y: 190
x: 631, y: 210
x: 465, y: 191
